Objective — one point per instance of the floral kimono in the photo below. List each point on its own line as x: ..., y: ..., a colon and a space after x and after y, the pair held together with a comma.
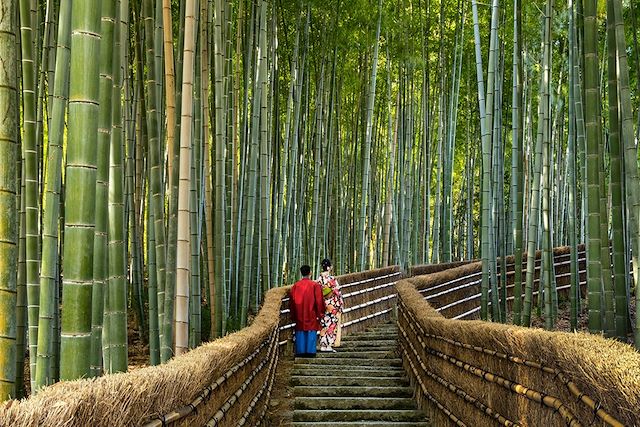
x: 333, y: 301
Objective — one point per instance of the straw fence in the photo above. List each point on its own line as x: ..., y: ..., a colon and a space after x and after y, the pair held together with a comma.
x: 226, y: 382
x: 480, y: 374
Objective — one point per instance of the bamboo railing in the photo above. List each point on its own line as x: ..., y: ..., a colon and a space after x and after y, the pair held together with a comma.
x: 369, y: 298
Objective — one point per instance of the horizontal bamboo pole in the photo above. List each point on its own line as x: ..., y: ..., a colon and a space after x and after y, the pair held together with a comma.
x: 571, y: 386
x: 184, y: 411
x: 367, y: 290
x: 369, y: 303
x: 371, y: 279
x: 226, y: 407
x: 457, y: 421
x: 551, y: 402
x: 452, y: 387
x: 268, y: 386
x: 368, y: 317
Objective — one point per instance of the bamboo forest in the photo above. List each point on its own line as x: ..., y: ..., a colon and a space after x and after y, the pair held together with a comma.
x: 164, y: 164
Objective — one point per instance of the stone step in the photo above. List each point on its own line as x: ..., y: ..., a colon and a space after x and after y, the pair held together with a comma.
x: 347, y: 381
x: 370, y: 336
x: 358, y: 346
x: 339, y: 359
x: 370, y: 343
x: 351, y: 391
x: 355, y: 371
x: 361, y: 424
x: 319, y: 415
x: 362, y: 403
x: 373, y: 354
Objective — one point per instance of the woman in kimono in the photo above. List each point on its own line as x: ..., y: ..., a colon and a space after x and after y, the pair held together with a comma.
x: 333, y: 302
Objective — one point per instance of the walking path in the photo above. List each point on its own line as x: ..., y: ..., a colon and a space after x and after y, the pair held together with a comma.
x: 362, y: 384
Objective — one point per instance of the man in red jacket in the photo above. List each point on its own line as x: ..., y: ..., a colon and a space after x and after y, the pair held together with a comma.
x: 307, y: 307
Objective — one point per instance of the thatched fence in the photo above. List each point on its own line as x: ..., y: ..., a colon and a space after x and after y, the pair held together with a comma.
x: 226, y: 382
x: 480, y: 374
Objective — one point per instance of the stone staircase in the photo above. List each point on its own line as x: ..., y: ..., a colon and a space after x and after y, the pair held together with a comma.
x: 363, y: 384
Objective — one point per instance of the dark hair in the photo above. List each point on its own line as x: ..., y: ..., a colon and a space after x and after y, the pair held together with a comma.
x: 325, y: 264
x: 305, y: 270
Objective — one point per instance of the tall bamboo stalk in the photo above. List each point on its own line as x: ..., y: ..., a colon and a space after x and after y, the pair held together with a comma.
x: 366, y: 150
x: 517, y: 176
x: 156, y: 181
x: 186, y: 124
x: 618, y: 229
x: 264, y: 155
x: 485, y: 129
x: 534, y: 218
x: 546, y: 272
x: 51, y: 214
x: 30, y: 165
x: 574, y: 295
x: 630, y: 152
x: 117, y: 300
x: 80, y: 203
x: 593, y: 141
x: 101, y: 255
x: 9, y: 135
x: 219, y: 224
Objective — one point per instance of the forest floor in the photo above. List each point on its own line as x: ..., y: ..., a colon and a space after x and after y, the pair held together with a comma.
x: 563, y: 322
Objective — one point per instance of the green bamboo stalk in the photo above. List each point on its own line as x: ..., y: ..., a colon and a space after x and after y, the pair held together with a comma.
x: 156, y: 182
x: 21, y: 303
x: 154, y: 328
x: 449, y: 149
x: 630, y: 152
x: 30, y: 164
x: 486, y: 240
x: 366, y: 150
x: 80, y: 203
x: 216, y: 318
x: 158, y: 54
x: 117, y: 300
x: 546, y: 270
x: 593, y: 136
x: 618, y: 229
x: 167, y: 337
x: 533, y: 220
x: 51, y: 214
x: 280, y: 237
x: 265, y: 267
x: 197, y: 185
x: 220, y: 224
x: 133, y: 198
x: 574, y: 293
x: 517, y: 159
x: 313, y: 253
x: 251, y: 194
x: 9, y: 135
x: 101, y: 256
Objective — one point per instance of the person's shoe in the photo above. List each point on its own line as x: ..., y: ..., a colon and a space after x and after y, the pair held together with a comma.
x: 327, y: 350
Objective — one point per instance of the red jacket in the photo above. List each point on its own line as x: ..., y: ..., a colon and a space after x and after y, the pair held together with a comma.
x: 306, y: 304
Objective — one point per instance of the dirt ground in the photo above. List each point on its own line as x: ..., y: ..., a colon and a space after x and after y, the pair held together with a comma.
x: 563, y: 322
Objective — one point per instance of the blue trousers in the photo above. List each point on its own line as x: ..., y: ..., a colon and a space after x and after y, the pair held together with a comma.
x: 306, y: 342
